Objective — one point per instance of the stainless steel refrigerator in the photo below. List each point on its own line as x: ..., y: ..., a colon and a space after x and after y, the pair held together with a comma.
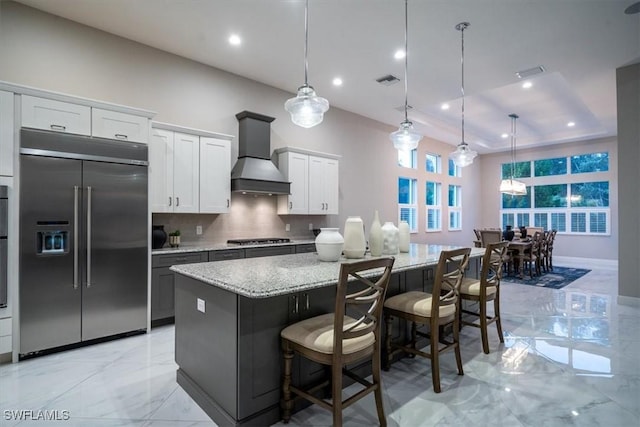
x: 83, y: 239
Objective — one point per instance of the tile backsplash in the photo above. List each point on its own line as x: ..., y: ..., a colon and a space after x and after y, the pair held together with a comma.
x: 249, y: 216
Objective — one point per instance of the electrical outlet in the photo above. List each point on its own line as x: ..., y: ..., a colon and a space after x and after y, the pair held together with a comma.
x: 198, y: 230
x: 201, y: 305
x: 287, y: 227
x: 310, y: 226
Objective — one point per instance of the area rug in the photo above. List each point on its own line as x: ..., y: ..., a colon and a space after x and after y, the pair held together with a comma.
x: 556, y: 279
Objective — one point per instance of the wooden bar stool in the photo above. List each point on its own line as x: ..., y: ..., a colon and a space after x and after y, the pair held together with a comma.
x: 338, y: 339
x: 484, y: 290
x: 421, y: 308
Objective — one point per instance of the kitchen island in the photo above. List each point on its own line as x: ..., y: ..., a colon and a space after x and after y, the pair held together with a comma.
x: 229, y: 315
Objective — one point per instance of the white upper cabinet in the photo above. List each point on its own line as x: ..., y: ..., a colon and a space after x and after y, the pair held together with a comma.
x: 215, y: 173
x: 48, y: 114
x: 122, y: 126
x: 161, y: 171
x: 189, y: 172
x: 323, y: 186
x: 314, y: 181
x: 295, y: 168
x: 6, y: 133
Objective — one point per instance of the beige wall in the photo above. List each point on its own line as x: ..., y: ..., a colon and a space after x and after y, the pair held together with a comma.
x: 600, y: 247
x: 628, y: 82
x: 48, y: 52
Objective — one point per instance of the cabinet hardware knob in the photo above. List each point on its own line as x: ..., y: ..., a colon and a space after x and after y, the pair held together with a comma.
x: 169, y: 201
x: 177, y: 201
x: 58, y: 127
x: 227, y: 202
x: 295, y: 304
x: 290, y: 205
x: 121, y: 136
x: 306, y: 302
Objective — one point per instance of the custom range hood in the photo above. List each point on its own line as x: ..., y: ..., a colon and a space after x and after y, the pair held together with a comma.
x: 254, y: 172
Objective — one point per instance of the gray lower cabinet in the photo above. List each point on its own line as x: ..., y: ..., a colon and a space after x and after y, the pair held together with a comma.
x: 269, y: 251
x: 163, y: 284
x: 261, y: 320
x: 306, y: 247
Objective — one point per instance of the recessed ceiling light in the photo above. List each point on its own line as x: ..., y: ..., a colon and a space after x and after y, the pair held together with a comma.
x: 337, y: 81
x: 399, y: 54
x: 444, y: 106
x: 571, y: 124
x: 504, y: 135
x: 527, y: 85
x: 235, y: 40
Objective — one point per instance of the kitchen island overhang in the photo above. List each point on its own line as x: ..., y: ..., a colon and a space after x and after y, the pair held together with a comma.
x: 229, y: 315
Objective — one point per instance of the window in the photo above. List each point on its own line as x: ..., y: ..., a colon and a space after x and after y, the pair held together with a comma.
x: 540, y: 220
x: 432, y: 163
x: 590, y: 194
x: 517, y: 202
x: 548, y: 167
x: 434, y: 206
x: 594, y: 162
x: 559, y: 221
x: 408, y: 159
x: 550, y: 196
x: 597, y: 222
x: 454, y: 170
x: 520, y: 170
x: 407, y: 202
x: 578, y: 222
x: 555, y: 204
x: 455, y: 207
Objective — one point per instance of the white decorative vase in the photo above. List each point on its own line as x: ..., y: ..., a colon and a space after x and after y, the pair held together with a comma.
x: 375, y: 236
x: 404, y: 237
x: 329, y: 244
x: 355, y: 243
x: 390, y: 236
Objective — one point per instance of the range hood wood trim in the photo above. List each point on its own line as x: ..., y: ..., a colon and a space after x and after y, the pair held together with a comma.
x: 307, y: 152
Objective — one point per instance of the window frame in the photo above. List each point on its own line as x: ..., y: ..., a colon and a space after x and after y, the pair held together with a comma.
x: 437, y: 207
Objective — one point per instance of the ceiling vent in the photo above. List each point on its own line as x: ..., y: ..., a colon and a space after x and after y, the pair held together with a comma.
x: 530, y: 72
x: 388, y: 80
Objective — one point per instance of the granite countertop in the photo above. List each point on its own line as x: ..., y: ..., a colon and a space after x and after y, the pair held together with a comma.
x: 199, y: 247
x: 285, y: 274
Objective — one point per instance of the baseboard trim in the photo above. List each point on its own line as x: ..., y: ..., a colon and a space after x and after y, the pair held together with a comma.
x: 628, y: 301
x: 566, y: 261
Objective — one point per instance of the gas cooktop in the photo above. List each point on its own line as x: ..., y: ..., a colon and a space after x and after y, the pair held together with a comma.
x: 258, y: 241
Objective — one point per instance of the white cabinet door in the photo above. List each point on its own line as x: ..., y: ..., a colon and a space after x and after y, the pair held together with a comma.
x: 186, y: 172
x: 330, y: 179
x: 115, y: 125
x: 41, y: 113
x: 6, y: 133
x: 295, y: 168
x: 161, y: 171
x: 317, y: 202
x: 215, y: 172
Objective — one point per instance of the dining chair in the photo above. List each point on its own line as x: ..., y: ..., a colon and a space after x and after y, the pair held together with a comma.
x: 484, y: 290
x: 490, y: 236
x: 436, y: 309
x: 349, y: 335
x: 551, y: 237
x: 531, y: 257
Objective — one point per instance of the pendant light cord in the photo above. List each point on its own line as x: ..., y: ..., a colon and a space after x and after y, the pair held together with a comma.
x: 513, y: 144
x: 462, y: 28
x: 406, y: 60
x: 306, y: 40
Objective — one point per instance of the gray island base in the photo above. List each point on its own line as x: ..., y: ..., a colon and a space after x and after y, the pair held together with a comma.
x: 229, y: 314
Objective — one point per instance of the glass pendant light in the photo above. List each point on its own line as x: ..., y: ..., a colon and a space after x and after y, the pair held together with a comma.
x: 464, y: 155
x: 405, y: 138
x: 512, y: 186
x: 306, y: 109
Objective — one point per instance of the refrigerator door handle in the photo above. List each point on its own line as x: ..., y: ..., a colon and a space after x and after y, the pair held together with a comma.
x: 88, y: 237
x: 75, y: 237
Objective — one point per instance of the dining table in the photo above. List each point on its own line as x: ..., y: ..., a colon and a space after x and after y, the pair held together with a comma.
x: 518, y: 247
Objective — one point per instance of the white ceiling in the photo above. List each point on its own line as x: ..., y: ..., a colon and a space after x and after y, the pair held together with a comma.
x: 580, y: 43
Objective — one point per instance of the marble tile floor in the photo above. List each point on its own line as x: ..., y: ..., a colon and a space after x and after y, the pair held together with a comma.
x: 570, y: 357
